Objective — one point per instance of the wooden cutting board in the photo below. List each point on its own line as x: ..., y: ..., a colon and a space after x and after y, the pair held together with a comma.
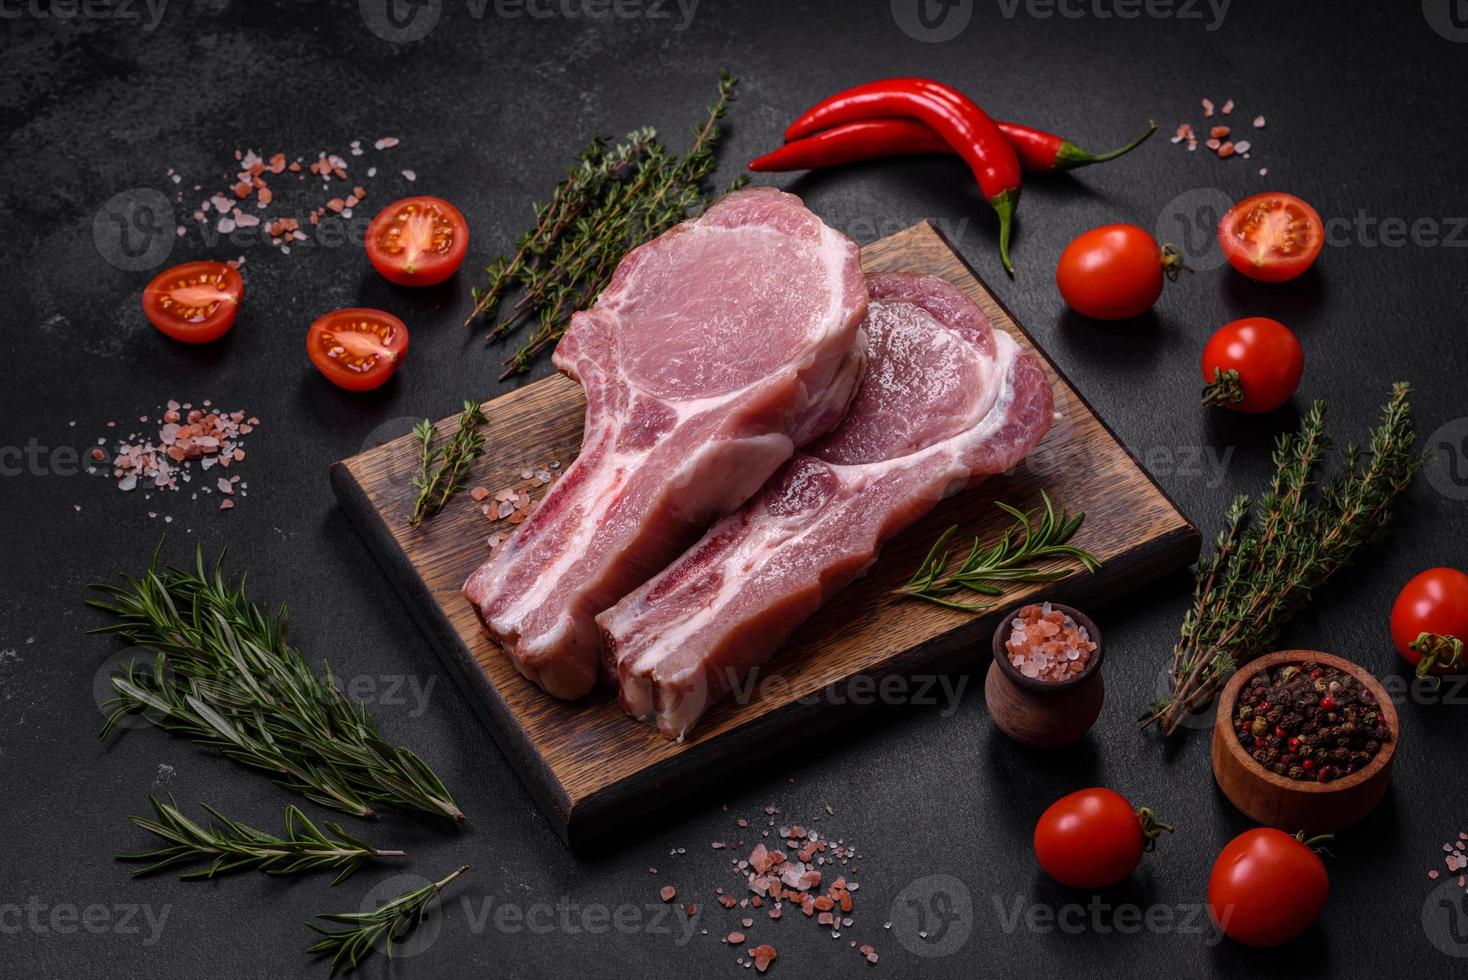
x: 592, y: 768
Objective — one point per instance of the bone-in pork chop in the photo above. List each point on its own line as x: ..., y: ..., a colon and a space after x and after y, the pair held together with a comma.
x: 716, y: 350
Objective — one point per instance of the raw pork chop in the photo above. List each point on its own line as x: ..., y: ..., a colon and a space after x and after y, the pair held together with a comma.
x: 946, y: 398
x: 716, y: 349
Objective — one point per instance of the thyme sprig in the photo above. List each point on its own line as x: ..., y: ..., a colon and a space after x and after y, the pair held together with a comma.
x: 1271, y: 558
x: 388, y: 923
x: 442, y: 471
x: 236, y: 846
x: 610, y: 201
x: 1034, y: 537
x: 224, y: 676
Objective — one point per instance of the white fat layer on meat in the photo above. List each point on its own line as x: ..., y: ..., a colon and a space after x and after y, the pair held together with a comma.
x: 758, y: 550
x: 607, y: 481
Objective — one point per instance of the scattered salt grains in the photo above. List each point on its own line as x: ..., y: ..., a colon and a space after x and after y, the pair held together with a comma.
x: 1454, y: 859
x: 513, y: 504
x: 251, y: 180
x: 162, y: 461
x: 1218, y: 136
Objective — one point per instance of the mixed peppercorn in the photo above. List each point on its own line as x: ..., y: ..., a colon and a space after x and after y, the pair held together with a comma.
x: 1307, y: 721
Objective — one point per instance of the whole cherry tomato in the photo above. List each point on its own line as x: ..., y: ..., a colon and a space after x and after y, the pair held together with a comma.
x: 1093, y: 838
x: 1114, y: 272
x: 1430, y: 621
x: 1267, y: 887
x: 418, y: 241
x: 357, y: 348
x: 1252, y: 365
x: 1271, y: 237
x: 195, y: 302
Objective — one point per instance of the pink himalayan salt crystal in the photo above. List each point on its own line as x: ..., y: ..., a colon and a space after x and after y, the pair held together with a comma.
x: 1048, y: 645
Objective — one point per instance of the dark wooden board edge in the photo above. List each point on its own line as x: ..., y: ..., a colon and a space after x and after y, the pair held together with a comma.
x: 456, y: 657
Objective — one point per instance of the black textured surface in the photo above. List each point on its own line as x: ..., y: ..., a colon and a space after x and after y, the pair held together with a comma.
x: 1363, y: 120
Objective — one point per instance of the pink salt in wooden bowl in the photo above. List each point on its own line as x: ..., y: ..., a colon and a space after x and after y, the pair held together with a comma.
x: 1041, y: 713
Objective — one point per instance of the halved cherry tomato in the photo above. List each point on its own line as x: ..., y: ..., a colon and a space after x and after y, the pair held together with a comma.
x: 1271, y: 237
x: 1430, y: 621
x: 1114, y: 272
x: 1093, y: 838
x: 195, y: 302
x: 1252, y: 365
x: 1267, y: 887
x: 356, y: 348
x: 417, y: 241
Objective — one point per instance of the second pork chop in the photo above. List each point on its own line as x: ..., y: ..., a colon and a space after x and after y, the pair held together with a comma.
x: 716, y: 349
x: 945, y: 399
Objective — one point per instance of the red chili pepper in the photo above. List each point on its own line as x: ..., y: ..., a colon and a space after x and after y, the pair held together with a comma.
x: 949, y: 113
x: 873, y: 139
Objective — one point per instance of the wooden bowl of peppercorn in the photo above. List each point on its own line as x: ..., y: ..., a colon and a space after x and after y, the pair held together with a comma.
x: 1277, y: 778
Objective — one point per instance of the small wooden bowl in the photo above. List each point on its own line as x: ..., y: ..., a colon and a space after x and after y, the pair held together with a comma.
x: 1044, y: 714
x: 1293, y: 805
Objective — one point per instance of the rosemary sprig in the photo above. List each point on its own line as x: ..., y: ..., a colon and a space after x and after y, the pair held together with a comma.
x: 442, y: 471
x: 1271, y: 558
x: 1034, y: 537
x: 609, y: 202
x: 236, y: 846
x: 225, y: 676
x: 388, y: 923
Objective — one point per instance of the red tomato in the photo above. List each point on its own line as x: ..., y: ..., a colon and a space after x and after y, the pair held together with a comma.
x: 1252, y: 365
x: 417, y: 241
x: 1093, y: 838
x: 1266, y: 888
x: 357, y: 349
x: 195, y: 302
x: 1435, y: 602
x: 1271, y: 237
x: 1113, y: 272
